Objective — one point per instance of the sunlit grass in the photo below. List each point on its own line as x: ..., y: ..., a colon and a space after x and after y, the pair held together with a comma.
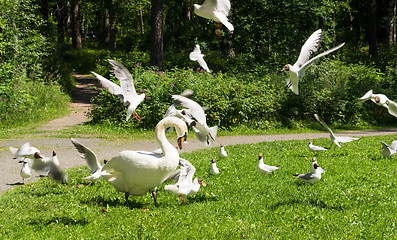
x: 354, y: 199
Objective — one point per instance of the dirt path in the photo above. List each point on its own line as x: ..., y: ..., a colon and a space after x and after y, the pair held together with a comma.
x: 69, y: 157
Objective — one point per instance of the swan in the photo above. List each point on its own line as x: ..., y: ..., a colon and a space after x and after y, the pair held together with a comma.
x: 196, y: 112
x: 184, y: 183
x: 315, y: 148
x: 222, y: 152
x: 380, y: 100
x: 389, y: 151
x: 136, y: 173
x: 335, y: 139
x: 89, y: 156
x: 312, y: 177
x: 304, y: 62
x: 25, y: 170
x: 196, y: 55
x: 126, y: 91
x: 263, y: 168
x: 216, y: 10
x: 213, y: 170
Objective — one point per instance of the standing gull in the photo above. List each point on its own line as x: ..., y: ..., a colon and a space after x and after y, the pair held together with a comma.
x: 25, y: 170
x: 312, y: 177
x: 213, y: 170
x: 304, y: 62
x: 222, y: 152
x: 263, y: 168
x: 315, y: 148
x: 126, y: 91
x: 334, y: 139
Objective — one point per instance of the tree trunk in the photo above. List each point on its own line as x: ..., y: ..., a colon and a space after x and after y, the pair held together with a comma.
x: 112, y: 26
x: 391, y: 22
x: 76, y: 35
x: 60, y: 12
x: 372, y: 27
x: 156, y: 53
x: 142, y: 23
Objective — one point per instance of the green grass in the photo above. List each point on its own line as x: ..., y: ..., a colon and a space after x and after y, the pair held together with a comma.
x: 355, y: 198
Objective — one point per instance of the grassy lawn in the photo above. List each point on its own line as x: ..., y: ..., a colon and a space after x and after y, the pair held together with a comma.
x: 355, y: 198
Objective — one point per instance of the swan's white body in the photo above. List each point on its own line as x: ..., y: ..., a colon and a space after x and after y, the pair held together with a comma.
x: 195, y: 112
x: 312, y: 177
x: 222, y: 152
x: 315, y: 148
x: 216, y: 10
x: 304, y: 62
x: 184, y: 183
x: 213, y: 170
x: 196, y: 55
x: 89, y: 156
x: 263, y: 168
x: 126, y: 91
x: 136, y: 173
x: 335, y: 139
x: 381, y: 100
x: 389, y: 151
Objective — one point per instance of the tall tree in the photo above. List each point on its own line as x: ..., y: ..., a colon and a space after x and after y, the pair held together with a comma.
x: 60, y: 14
x: 76, y: 34
x: 156, y: 48
x: 391, y: 22
x: 372, y: 27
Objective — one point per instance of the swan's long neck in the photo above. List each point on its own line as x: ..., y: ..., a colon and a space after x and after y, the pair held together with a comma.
x: 164, y: 144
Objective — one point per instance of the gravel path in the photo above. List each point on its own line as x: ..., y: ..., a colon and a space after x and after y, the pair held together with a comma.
x: 69, y: 157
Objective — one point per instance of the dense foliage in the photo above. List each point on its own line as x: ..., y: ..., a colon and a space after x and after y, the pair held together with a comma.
x: 254, y: 99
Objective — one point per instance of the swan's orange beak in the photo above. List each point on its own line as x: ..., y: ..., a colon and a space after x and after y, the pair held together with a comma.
x: 181, y: 140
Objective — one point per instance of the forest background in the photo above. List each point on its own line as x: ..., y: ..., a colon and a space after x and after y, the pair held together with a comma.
x: 43, y: 42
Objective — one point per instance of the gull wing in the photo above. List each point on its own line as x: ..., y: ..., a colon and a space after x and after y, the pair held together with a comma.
x: 307, y: 176
x: 89, y: 156
x: 223, y: 19
x: 311, y: 61
x: 346, y: 139
x: 111, y: 86
x: 25, y: 150
x: 125, y: 77
x: 203, y: 64
x: 323, y: 123
x: 366, y: 96
x: 210, y: 4
x: 195, y: 109
x: 223, y: 6
x: 311, y: 45
x: 392, y: 107
x: 196, y: 53
x: 393, y: 145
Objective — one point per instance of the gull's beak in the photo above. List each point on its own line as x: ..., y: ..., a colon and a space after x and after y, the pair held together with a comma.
x: 181, y: 140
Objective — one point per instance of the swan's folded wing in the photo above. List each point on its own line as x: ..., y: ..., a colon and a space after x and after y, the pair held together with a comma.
x: 89, y: 156
x: 311, y: 45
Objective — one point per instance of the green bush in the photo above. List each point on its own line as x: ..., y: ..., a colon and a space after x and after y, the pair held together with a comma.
x: 255, y: 99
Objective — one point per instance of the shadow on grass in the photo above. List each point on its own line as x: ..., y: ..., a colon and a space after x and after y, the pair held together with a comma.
x: 15, y: 184
x: 59, y: 220
x: 100, y: 201
x: 312, y: 202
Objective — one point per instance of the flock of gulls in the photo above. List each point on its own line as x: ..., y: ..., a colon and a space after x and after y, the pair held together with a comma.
x: 138, y: 172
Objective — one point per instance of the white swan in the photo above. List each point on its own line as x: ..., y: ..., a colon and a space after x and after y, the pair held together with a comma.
x: 304, y: 62
x: 196, y: 55
x: 315, y: 174
x: 335, y: 139
x: 136, y: 173
x: 389, y: 151
x: 380, y: 100
x: 216, y: 10
x: 196, y: 112
x: 184, y: 183
x: 213, y: 170
x: 126, y: 91
x: 263, y: 168
x: 89, y: 156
